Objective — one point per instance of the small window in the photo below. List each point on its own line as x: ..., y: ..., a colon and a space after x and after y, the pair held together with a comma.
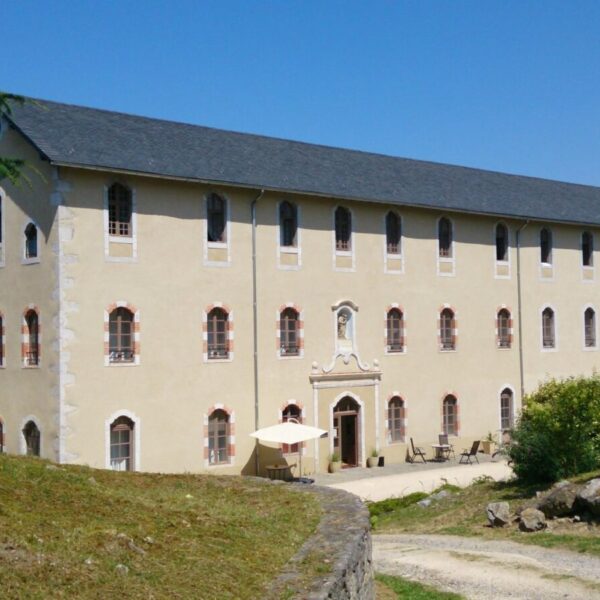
x: 589, y: 318
x: 288, y: 325
x: 546, y: 246
x: 447, y: 330
x: 121, y: 342
x: 218, y: 437
x: 119, y: 210
x: 343, y: 229
x: 504, y: 326
x: 445, y: 238
x: 288, y: 224
x: 501, y: 242
x: 396, y: 420
x: 395, y: 330
x: 506, y: 409
x: 587, y: 249
x: 32, y: 336
x: 31, y: 241
x: 218, y: 334
x: 292, y: 413
x: 216, y: 218
x: 548, y: 333
x: 121, y: 444
x: 450, y: 415
x: 393, y: 233
x: 32, y: 436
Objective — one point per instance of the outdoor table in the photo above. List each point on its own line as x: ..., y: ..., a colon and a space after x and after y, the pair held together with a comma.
x: 282, y: 472
x: 440, y: 450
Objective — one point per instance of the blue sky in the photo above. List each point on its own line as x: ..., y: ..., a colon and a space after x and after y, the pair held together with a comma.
x: 511, y: 86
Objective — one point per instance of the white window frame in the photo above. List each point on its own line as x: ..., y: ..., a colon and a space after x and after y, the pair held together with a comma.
x: 501, y: 263
x: 546, y: 265
x: 443, y: 259
x: 397, y: 258
x: 137, y: 437
x: 22, y: 442
x: 36, y: 259
x: 297, y: 249
x: 590, y: 268
x: 226, y: 245
x: 593, y: 348
x: 119, y: 239
x: 541, y: 325
x: 231, y: 441
x: 506, y: 386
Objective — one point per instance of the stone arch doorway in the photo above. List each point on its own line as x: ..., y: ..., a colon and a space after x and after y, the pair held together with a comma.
x: 347, y: 431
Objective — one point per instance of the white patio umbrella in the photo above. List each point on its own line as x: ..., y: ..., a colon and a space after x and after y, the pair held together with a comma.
x: 290, y: 432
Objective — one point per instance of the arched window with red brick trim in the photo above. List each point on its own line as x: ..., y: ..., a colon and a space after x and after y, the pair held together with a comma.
x: 218, y: 334
x: 504, y: 326
x: 396, y: 420
x: 289, y: 342
x: 395, y: 330
x: 121, y: 345
x: 218, y: 437
x: 447, y: 330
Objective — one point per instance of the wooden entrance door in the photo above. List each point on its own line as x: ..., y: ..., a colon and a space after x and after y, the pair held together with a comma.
x: 345, y: 422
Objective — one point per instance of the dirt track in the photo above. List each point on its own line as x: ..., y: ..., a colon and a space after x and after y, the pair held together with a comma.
x: 481, y: 569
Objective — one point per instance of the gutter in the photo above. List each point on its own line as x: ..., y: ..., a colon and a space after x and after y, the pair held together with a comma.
x: 519, y: 308
x: 255, y: 325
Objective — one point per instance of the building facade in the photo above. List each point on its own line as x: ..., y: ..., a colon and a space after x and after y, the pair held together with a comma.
x: 152, y: 318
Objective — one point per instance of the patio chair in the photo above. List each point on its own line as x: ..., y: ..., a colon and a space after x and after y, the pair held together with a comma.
x: 466, y: 455
x: 416, y: 451
x: 443, y: 440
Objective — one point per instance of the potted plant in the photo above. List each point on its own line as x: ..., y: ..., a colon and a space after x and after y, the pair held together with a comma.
x: 488, y: 443
x: 373, y: 459
x: 335, y: 462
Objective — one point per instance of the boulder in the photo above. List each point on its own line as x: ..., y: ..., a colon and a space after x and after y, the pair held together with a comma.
x: 532, y: 519
x: 498, y: 513
x: 588, y: 498
x: 560, y: 502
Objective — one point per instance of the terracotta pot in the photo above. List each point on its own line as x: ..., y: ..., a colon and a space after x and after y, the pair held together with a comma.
x: 334, y: 467
x: 372, y: 461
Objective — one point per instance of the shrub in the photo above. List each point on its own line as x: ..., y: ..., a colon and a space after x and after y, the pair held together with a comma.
x: 558, y: 434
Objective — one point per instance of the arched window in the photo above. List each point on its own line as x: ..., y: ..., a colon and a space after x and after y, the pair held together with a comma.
x: 291, y: 413
x: 395, y: 330
x: 119, y: 210
x: 32, y: 436
x: 396, y: 420
x: 121, y: 343
x: 445, y: 238
x: 506, y: 409
x: 504, y: 327
x: 501, y: 242
x: 122, y: 444
x: 288, y: 224
x: 32, y: 336
x: 216, y: 218
x: 343, y: 229
x: 587, y: 249
x: 546, y: 246
x: 218, y: 437
x: 450, y: 415
x: 589, y: 319
x: 548, y: 328
x: 447, y: 330
x: 288, y: 327
x: 31, y: 241
x: 393, y: 233
x: 218, y: 334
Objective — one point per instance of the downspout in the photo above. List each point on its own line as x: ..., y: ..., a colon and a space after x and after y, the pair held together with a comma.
x: 255, y: 325
x: 519, y: 309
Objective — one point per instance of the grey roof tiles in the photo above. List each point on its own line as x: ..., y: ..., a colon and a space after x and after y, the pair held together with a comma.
x: 86, y: 137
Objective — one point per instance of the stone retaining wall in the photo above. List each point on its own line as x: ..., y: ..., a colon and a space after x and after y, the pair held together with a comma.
x: 336, y: 561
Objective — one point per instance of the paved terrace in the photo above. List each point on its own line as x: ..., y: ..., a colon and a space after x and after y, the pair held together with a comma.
x: 402, y: 479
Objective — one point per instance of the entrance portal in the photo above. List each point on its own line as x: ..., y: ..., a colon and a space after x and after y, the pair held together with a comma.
x: 345, y: 423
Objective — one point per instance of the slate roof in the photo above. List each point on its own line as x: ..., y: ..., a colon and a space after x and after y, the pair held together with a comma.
x: 87, y: 137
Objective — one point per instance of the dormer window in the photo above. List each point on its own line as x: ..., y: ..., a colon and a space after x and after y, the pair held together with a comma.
x: 119, y: 211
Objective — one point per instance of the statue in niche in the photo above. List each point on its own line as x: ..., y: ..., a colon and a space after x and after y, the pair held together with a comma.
x: 345, y: 330
x: 342, y: 325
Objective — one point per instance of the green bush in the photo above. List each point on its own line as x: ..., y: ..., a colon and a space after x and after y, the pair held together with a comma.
x: 558, y: 434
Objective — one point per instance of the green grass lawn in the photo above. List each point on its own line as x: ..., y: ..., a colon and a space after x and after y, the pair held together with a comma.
x: 389, y: 588
x: 463, y: 513
x: 64, y: 531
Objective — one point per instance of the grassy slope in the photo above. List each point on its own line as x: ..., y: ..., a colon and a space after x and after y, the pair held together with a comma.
x: 181, y: 536
x: 390, y: 588
x: 464, y: 514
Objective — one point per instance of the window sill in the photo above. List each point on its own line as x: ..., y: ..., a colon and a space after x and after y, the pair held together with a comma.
x: 33, y: 367
x: 447, y: 350
x: 120, y: 239
x: 216, y: 245
x: 290, y: 356
x: 395, y: 352
x: 222, y: 465
x: 120, y: 365
x: 30, y: 261
x: 289, y: 249
x: 590, y: 348
x: 503, y: 347
x: 343, y: 253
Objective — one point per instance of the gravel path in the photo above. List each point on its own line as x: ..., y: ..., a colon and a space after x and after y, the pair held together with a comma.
x: 481, y: 569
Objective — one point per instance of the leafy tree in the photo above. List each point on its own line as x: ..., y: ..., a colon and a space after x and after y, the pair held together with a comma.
x: 12, y: 168
x: 558, y: 434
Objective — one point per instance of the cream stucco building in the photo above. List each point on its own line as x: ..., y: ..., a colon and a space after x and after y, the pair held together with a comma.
x: 167, y: 289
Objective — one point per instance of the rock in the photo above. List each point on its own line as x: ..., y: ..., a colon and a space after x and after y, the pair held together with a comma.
x: 560, y: 502
x: 440, y: 495
x: 149, y: 540
x: 588, y: 497
x: 498, y: 513
x: 425, y: 502
x: 122, y: 569
x: 88, y: 561
x: 532, y: 519
x: 576, y: 519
